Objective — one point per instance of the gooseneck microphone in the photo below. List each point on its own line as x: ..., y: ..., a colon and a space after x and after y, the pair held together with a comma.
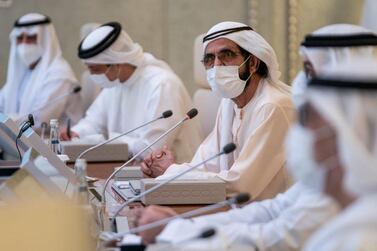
x: 74, y: 90
x: 226, y: 150
x: 238, y: 199
x: 189, y: 115
x: 165, y: 114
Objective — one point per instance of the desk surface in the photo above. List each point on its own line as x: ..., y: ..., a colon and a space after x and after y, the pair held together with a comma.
x: 100, y: 170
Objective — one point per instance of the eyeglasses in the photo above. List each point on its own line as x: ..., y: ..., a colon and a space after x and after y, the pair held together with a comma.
x: 225, y: 56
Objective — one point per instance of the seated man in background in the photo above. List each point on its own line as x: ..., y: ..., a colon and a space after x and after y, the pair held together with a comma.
x: 285, y: 222
x: 137, y: 89
x: 38, y: 74
x: 255, y: 114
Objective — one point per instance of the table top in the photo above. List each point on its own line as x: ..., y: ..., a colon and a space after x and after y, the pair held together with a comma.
x: 100, y: 170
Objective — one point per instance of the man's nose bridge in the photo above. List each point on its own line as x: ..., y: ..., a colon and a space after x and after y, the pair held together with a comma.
x: 23, y: 38
x: 217, y: 60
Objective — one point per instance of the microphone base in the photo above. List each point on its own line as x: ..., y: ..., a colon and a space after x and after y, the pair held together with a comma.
x: 133, y: 247
x: 184, y: 192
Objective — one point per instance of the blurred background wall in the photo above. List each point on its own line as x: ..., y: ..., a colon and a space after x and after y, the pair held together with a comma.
x: 167, y: 28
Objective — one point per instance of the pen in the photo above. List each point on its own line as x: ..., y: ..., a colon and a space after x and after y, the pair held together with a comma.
x: 69, y: 128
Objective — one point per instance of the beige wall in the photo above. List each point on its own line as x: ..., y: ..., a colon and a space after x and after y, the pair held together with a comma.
x: 167, y: 28
x: 311, y: 15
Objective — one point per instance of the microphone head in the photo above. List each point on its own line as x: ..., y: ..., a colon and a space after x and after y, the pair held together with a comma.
x: 241, y: 198
x: 228, y: 148
x: 207, y: 233
x: 31, y: 119
x: 76, y: 89
x: 192, y: 113
x: 167, y: 114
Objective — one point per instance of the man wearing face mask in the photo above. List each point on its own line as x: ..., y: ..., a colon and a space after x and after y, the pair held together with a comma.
x: 37, y: 73
x: 255, y: 114
x: 341, y: 112
x: 285, y: 222
x: 137, y: 88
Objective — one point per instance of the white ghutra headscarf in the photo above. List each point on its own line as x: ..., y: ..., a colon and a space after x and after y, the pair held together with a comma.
x: 122, y: 51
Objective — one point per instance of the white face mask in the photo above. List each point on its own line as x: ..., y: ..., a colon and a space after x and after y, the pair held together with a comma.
x: 299, y: 149
x: 29, y: 53
x: 103, y: 81
x: 225, y: 80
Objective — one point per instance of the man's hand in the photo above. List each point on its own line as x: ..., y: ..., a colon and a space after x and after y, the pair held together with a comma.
x: 64, y: 135
x: 156, y: 163
x: 151, y: 214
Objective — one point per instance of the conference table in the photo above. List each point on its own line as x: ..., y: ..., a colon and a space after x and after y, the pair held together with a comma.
x: 104, y: 169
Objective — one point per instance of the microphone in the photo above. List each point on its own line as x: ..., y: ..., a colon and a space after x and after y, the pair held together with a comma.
x: 74, y: 90
x: 26, y: 125
x: 165, y: 114
x: 189, y: 115
x: 238, y: 199
x: 226, y: 150
x: 192, y: 113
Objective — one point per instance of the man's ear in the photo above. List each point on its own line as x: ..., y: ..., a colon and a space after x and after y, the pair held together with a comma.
x: 253, y: 63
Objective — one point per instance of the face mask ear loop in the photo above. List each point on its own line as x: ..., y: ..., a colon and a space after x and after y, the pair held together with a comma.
x: 118, y: 73
x: 324, y: 132
x: 107, y: 70
x: 242, y: 65
x: 330, y: 163
x: 244, y: 61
